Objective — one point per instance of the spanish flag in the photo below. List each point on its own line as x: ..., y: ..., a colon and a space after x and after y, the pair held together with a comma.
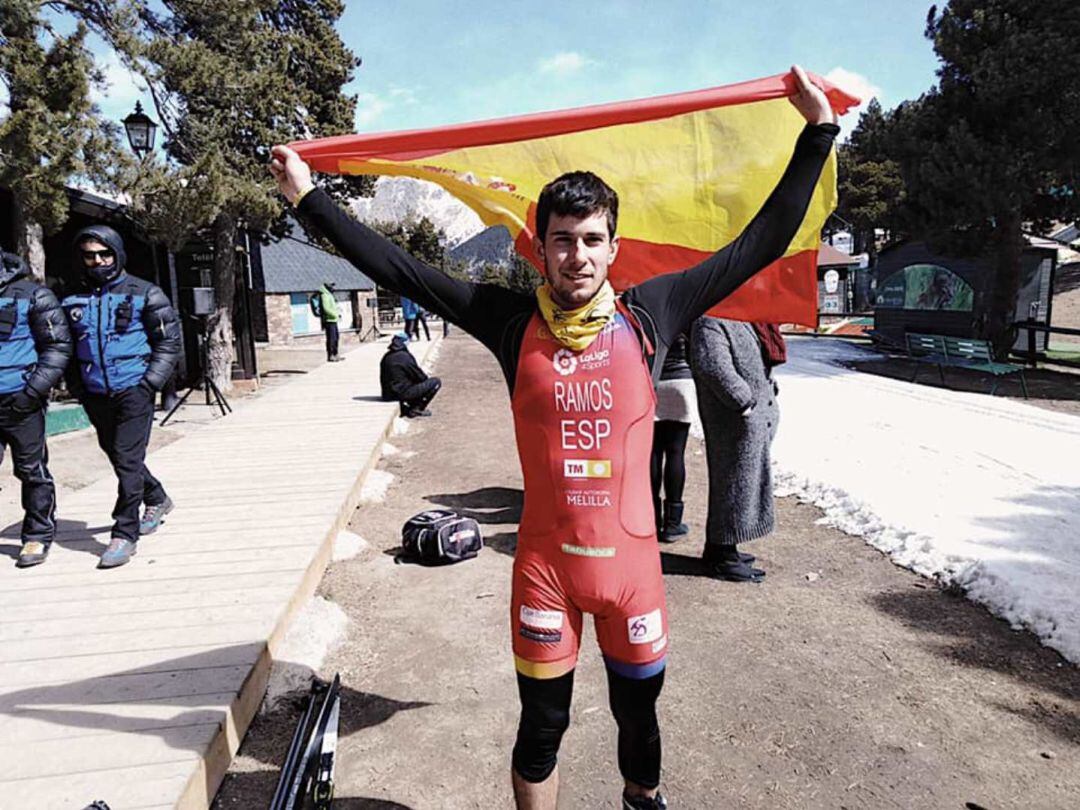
x: 690, y: 169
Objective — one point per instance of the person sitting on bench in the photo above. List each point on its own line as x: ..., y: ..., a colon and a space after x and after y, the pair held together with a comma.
x: 403, y: 380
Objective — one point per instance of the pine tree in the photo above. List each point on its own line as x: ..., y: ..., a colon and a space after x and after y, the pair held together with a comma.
x: 228, y: 81
x: 52, y: 132
x: 994, y: 146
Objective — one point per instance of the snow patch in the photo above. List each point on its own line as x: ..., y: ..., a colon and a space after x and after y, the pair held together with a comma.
x: 317, y: 630
x: 347, y: 545
x: 375, y: 486
x: 389, y: 449
x: 978, y: 492
x: 401, y: 426
x: 431, y: 357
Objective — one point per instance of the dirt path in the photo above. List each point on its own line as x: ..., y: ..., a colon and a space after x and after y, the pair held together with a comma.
x: 842, y: 681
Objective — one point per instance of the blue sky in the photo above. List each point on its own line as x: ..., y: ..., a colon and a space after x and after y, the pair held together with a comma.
x: 432, y: 62
x: 428, y: 62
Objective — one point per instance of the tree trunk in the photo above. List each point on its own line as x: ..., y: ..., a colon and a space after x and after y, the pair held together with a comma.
x: 219, y: 324
x: 29, y: 241
x: 994, y: 322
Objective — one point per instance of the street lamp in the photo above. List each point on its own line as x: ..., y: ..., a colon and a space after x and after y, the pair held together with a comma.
x: 140, y: 129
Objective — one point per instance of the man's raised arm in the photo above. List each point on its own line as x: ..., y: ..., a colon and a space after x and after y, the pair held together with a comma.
x: 677, y: 299
x: 463, y: 303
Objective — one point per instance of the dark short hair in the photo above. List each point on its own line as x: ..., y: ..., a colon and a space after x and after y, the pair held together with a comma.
x: 576, y: 194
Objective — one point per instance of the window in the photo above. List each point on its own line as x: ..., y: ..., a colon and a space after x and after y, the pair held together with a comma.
x: 304, y: 321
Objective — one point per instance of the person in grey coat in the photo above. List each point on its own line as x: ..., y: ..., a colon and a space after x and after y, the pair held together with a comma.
x: 737, y: 403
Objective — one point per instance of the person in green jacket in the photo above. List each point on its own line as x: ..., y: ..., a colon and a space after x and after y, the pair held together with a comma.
x: 325, y: 306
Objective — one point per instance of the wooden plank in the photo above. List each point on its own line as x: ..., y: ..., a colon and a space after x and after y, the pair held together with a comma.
x: 223, y: 632
x: 122, y: 788
x: 27, y: 674
x: 63, y: 722
x: 133, y: 688
x: 104, y: 750
x: 134, y: 605
x: 95, y: 625
x: 104, y: 591
x: 141, y: 569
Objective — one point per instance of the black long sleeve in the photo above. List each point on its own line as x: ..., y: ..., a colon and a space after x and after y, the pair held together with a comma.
x: 163, y: 334
x: 52, y: 339
x: 482, y: 310
x: 676, y: 300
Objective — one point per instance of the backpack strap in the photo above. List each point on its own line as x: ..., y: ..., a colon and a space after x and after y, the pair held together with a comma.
x: 638, y: 318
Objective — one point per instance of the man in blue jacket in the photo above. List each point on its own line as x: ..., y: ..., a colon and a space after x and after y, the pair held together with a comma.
x: 34, y: 349
x: 127, y: 342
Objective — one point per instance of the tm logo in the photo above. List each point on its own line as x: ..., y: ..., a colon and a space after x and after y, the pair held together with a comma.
x: 565, y: 362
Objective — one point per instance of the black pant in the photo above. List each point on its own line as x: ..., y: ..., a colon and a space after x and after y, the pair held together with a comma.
x: 332, y: 337
x: 419, y: 395
x: 123, y: 421
x: 415, y: 326
x: 24, y: 433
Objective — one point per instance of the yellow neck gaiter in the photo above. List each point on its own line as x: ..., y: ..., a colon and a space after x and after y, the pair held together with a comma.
x: 577, y: 328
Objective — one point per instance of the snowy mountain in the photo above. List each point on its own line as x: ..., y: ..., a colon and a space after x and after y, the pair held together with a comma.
x: 490, y: 246
x: 403, y: 198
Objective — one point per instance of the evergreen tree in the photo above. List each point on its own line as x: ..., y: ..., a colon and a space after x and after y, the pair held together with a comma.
x: 522, y: 277
x: 994, y: 146
x: 425, y: 242
x: 52, y: 133
x: 228, y: 80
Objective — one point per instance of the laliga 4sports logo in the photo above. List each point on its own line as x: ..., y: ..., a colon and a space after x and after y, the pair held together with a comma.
x: 565, y: 362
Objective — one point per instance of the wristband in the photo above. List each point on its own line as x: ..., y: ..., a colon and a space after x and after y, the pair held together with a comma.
x: 302, y: 194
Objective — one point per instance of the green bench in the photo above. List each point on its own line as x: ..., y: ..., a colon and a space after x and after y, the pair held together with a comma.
x: 969, y: 353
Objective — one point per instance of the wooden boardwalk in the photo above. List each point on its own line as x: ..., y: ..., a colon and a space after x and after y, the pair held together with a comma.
x: 136, y: 685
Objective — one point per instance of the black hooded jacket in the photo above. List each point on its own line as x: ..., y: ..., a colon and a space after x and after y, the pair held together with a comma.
x: 35, y: 344
x: 398, y: 370
x: 118, y: 358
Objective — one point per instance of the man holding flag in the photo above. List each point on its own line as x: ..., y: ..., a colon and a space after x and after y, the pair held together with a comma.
x: 578, y: 360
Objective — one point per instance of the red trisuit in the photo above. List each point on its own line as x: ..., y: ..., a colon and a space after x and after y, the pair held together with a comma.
x: 587, y: 540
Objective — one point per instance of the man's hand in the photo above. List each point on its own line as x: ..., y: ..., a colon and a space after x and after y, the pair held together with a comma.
x: 810, y: 100
x: 293, y: 176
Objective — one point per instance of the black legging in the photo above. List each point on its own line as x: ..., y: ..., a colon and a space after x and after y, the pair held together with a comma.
x: 668, y: 466
x: 545, y: 715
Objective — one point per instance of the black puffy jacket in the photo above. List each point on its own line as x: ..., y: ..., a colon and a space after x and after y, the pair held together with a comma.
x: 35, y: 344
x: 126, y: 330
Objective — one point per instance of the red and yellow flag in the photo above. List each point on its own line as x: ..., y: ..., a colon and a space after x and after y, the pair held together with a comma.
x: 690, y: 169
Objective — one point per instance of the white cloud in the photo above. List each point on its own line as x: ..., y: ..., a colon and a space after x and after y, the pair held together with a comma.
x: 369, y: 108
x: 854, y: 83
x: 860, y: 87
x: 563, y: 63
x: 403, y: 95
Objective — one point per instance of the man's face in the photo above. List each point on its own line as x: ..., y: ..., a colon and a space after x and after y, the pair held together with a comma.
x: 576, y: 254
x: 95, y: 254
